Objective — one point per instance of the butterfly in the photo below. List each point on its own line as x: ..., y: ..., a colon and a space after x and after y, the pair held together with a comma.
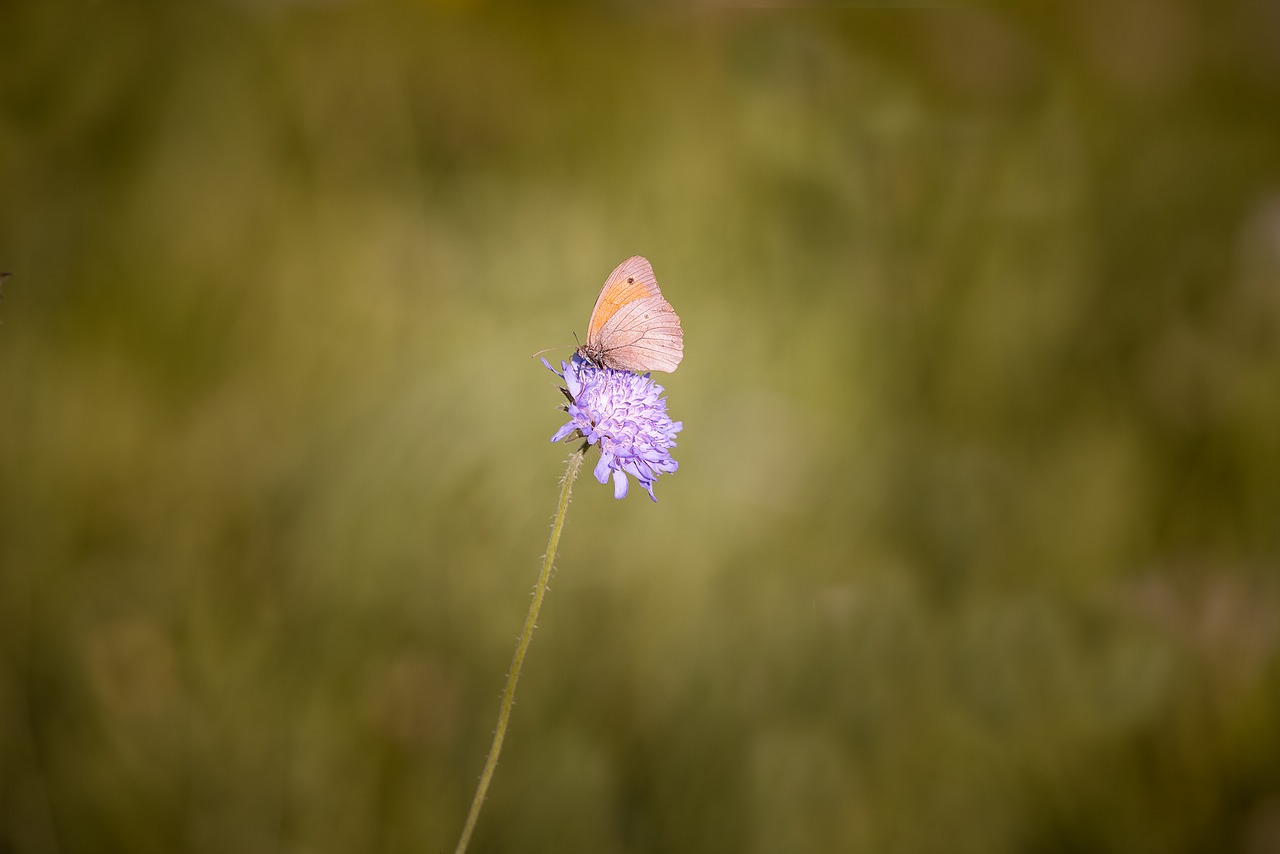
x: 632, y: 327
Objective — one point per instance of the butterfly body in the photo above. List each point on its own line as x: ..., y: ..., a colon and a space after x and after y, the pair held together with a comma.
x: 633, y: 327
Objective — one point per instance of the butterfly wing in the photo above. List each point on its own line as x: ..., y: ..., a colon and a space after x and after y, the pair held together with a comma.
x: 630, y: 281
x: 643, y: 335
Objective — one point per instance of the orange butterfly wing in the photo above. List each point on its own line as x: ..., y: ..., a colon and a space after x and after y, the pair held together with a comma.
x: 643, y: 335
x: 631, y: 280
x: 632, y: 326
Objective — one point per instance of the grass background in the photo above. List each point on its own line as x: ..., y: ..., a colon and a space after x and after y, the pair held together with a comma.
x: 974, y: 542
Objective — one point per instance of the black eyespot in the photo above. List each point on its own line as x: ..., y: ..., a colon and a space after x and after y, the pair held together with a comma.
x: 631, y: 280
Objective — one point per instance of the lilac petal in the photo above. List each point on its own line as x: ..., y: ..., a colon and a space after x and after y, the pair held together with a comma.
x: 564, y: 431
x: 619, y: 485
x: 602, y: 467
x: 572, y: 380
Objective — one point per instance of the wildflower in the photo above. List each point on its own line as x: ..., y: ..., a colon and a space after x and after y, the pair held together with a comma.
x: 626, y: 415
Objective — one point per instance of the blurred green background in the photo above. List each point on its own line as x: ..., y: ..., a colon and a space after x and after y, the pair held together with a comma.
x: 975, y: 538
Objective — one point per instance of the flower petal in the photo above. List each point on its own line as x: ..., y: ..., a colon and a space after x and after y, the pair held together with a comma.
x: 602, y: 467
x: 572, y: 380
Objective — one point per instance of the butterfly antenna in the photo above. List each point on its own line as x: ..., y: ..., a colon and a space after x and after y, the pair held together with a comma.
x: 548, y: 350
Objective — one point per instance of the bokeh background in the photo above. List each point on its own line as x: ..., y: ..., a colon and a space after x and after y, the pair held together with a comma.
x: 975, y: 538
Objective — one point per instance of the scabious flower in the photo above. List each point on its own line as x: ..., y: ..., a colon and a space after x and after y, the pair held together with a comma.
x: 626, y: 415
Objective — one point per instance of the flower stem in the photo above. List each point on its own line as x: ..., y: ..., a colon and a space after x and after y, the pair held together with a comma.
x: 522, y: 646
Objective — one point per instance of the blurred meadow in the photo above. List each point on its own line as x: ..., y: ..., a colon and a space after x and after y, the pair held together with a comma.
x: 975, y: 541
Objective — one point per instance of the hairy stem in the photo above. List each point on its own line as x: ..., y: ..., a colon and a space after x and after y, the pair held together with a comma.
x: 522, y: 646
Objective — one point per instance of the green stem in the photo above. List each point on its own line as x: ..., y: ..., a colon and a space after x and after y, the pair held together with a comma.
x: 530, y: 623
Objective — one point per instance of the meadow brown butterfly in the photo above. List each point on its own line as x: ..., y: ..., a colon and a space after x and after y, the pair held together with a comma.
x: 632, y: 328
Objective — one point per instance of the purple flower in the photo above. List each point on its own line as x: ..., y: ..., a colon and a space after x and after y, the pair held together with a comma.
x: 626, y: 414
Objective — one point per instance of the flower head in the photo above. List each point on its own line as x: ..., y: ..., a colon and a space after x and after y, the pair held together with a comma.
x: 626, y: 415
